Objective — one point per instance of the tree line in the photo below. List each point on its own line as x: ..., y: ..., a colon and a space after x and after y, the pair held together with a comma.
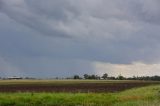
x: 105, y: 76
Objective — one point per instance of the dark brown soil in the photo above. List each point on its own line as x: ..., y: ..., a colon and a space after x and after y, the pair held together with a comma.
x: 80, y: 87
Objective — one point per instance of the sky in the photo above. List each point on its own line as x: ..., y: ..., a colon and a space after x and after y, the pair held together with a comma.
x: 60, y: 38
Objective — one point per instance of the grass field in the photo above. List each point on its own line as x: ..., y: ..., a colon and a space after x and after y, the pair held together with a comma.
x: 139, y: 96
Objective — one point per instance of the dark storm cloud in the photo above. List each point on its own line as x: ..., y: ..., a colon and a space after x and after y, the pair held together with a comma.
x: 147, y: 11
x: 116, y: 32
x: 21, y: 12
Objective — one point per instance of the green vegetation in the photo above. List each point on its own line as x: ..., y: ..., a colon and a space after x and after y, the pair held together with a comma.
x: 144, y: 96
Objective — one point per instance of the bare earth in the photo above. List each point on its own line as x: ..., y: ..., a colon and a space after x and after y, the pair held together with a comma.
x: 70, y: 86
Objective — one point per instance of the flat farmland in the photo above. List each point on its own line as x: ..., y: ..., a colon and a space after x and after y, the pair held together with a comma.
x: 79, y: 93
x: 72, y: 86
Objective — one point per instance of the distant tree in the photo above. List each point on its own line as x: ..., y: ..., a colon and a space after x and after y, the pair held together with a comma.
x: 76, y: 77
x: 155, y: 78
x: 111, y: 78
x: 92, y: 76
x: 134, y: 78
x: 86, y: 76
x: 98, y: 77
x: 105, y: 76
x: 120, y: 77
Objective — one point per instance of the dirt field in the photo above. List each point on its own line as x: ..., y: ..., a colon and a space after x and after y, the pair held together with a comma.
x: 70, y: 86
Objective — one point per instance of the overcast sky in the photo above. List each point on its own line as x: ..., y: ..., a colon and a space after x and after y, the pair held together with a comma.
x: 49, y: 38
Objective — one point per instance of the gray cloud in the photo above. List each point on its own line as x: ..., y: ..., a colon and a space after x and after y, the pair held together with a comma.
x: 69, y: 18
x: 106, y: 31
x: 20, y: 11
x: 147, y: 11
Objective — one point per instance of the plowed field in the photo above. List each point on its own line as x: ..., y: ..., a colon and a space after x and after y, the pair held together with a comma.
x: 70, y: 86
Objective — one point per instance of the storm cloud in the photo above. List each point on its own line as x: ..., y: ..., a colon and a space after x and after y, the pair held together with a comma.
x: 51, y: 34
